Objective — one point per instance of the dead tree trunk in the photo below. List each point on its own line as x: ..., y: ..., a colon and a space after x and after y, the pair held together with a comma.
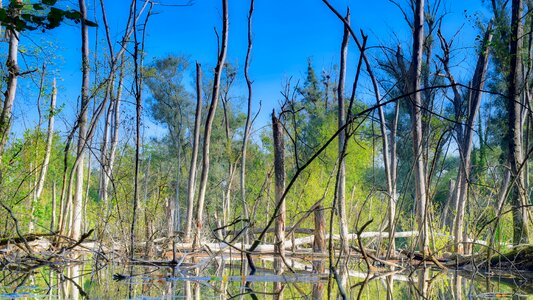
x: 194, y: 156
x: 116, y: 121
x: 388, y: 154
x: 465, y: 135
x: 279, y: 173
x: 341, y: 180
x: 519, y: 197
x: 138, y: 62
x: 209, y: 121
x: 49, y: 141
x: 418, y: 139
x: 77, y: 204
x: 478, y: 84
x: 247, y: 125
x: 12, y: 79
x: 393, y: 173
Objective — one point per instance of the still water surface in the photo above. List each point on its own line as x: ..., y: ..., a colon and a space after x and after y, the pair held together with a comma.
x: 223, y: 280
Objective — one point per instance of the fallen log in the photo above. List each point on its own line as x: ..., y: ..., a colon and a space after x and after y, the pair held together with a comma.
x: 24, y: 238
x: 353, y: 236
x: 520, y: 258
x: 271, y: 230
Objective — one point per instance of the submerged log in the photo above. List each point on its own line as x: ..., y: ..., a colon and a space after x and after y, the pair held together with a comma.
x: 520, y: 258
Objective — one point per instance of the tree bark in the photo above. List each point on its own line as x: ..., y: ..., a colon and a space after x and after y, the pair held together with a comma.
x: 115, y: 130
x: 478, y: 83
x: 519, y: 197
x: 12, y: 79
x: 209, y: 122
x: 341, y: 180
x: 49, y: 141
x: 247, y: 125
x: 77, y: 204
x: 54, y: 209
x: 279, y: 173
x: 418, y: 139
x: 194, y: 157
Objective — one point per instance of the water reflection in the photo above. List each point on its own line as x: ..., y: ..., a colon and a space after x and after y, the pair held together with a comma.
x: 223, y: 280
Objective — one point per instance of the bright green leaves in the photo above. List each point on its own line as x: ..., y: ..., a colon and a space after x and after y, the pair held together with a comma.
x: 41, y: 15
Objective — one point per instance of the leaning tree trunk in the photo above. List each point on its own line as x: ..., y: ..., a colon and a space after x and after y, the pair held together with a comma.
x: 209, y: 121
x: 416, y: 109
x: 463, y: 177
x: 519, y: 198
x: 82, y: 121
x: 279, y: 172
x: 194, y: 157
x: 49, y: 140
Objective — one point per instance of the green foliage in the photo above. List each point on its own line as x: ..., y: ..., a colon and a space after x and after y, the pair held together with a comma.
x: 42, y: 15
x: 170, y: 103
x: 22, y: 163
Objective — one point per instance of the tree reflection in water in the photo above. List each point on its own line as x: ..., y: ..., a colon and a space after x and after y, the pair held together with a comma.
x: 224, y: 281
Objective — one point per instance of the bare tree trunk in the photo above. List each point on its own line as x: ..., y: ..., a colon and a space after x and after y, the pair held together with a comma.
x: 12, y: 79
x: 319, y: 241
x: 209, y: 122
x: 176, y: 216
x: 232, y: 169
x: 394, y: 178
x: 170, y: 211
x: 519, y: 199
x: 444, y: 219
x: 82, y: 121
x: 87, y: 185
x: 104, y: 156
x: 53, y: 217
x: 319, y: 245
x: 388, y: 154
x: 194, y: 157
x: 466, y: 161
x: 341, y: 180
x: 420, y: 176
x: 138, y: 58
x: 279, y: 173
x: 115, y: 126
x: 49, y: 140
x: 232, y: 166
x: 248, y: 124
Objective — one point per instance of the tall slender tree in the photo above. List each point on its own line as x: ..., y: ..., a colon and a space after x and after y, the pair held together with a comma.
x: 210, y: 117
x: 417, y: 133
x: 77, y: 204
x: 519, y: 198
x: 194, y: 156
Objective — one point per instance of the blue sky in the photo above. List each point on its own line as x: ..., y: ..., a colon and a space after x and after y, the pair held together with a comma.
x: 286, y: 34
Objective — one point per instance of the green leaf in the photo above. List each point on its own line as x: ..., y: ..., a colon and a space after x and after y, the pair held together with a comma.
x: 38, y: 6
x: 90, y: 23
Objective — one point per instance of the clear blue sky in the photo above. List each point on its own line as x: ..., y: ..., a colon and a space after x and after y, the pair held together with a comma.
x: 286, y: 33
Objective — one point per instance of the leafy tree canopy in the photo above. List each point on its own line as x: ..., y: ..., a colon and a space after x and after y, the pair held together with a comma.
x: 43, y: 14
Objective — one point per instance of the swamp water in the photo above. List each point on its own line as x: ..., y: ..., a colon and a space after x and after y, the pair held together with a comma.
x: 222, y: 279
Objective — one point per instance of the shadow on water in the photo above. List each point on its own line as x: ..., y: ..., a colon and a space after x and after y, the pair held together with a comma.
x: 223, y: 279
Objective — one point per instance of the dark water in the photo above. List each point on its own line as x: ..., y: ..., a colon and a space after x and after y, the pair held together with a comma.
x: 219, y: 279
